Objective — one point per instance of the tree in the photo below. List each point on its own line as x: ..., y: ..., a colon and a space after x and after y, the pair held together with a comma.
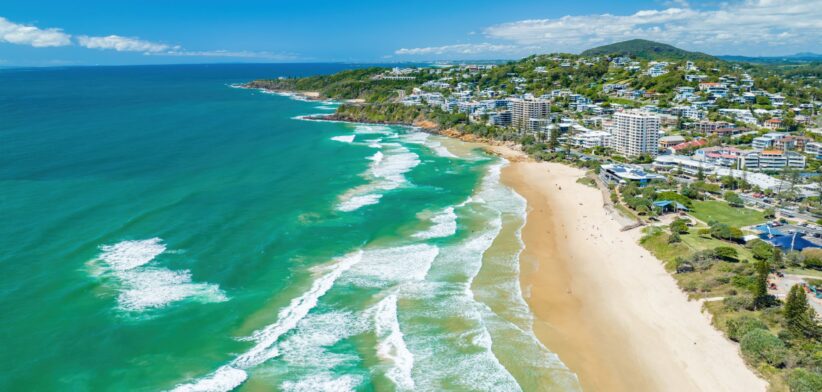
x: 700, y: 174
x: 733, y: 199
x: 726, y: 253
x: 760, y: 288
x: 799, y: 316
x: 761, y: 250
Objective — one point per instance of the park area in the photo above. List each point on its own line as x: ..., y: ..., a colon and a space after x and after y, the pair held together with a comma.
x: 714, y: 210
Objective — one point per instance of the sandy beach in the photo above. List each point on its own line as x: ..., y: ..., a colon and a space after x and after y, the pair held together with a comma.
x: 606, y: 305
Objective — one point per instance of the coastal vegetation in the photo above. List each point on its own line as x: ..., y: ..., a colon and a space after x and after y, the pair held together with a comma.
x: 349, y: 84
x: 647, y: 50
x: 704, y: 248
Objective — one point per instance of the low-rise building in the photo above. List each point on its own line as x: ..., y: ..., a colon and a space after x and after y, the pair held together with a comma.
x: 772, y: 160
x: 666, y: 142
x: 625, y: 174
x: 791, y: 143
x: 719, y: 156
x: 680, y: 162
x: 592, y: 139
x: 774, y: 123
x: 767, y: 140
x: 814, y: 149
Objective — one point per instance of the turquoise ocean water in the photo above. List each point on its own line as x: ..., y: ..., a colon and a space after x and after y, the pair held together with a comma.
x: 162, y: 230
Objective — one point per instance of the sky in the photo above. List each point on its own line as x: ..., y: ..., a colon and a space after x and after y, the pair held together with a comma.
x: 105, y: 32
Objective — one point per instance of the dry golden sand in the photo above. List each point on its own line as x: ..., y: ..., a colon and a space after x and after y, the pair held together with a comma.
x: 603, y: 303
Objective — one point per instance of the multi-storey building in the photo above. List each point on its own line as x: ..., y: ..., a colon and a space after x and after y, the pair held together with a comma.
x: 771, y: 160
x: 814, y: 149
x: 523, y: 110
x: 636, y: 133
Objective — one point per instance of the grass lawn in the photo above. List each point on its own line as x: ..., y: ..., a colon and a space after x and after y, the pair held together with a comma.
x: 626, y: 211
x: 714, y: 210
x: 690, y: 244
x: 625, y: 101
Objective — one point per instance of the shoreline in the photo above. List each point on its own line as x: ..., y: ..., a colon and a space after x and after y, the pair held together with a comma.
x: 603, y: 303
x: 611, y: 311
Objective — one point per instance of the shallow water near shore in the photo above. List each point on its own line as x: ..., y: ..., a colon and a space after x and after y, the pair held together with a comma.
x: 163, y: 230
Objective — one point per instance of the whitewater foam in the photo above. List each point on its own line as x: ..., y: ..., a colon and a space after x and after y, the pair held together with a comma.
x: 391, y: 347
x: 344, y: 138
x: 142, y: 287
x: 289, y: 316
x: 126, y: 255
x: 225, y: 378
x: 377, y: 157
x: 386, y: 172
x: 324, y: 382
x: 357, y: 202
x: 382, y: 267
x: 444, y: 225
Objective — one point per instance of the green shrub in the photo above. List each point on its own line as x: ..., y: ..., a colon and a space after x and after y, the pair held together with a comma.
x: 760, y: 345
x: 736, y: 303
x: 739, y: 327
x: 801, y: 380
x: 679, y: 226
x: 812, y: 258
x: 726, y: 253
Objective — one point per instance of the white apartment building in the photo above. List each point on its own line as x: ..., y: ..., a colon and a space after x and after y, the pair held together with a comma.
x: 767, y: 140
x: 523, y: 110
x: 636, y: 133
x: 769, y: 160
x: 592, y: 139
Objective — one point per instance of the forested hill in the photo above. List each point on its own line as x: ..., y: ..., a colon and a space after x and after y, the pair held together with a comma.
x: 646, y: 50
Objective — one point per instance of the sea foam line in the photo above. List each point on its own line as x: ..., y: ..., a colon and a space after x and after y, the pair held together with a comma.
x: 287, y: 320
x: 391, y: 347
x: 386, y: 172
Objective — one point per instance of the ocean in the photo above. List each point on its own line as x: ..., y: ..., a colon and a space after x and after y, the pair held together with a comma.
x: 165, y: 230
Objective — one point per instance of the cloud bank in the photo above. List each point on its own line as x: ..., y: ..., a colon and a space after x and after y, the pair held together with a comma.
x: 20, y: 34
x: 746, y: 27
x: 121, y: 44
x: 460, y: 49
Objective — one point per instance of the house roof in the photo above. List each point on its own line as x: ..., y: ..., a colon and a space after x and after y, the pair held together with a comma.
x: 690, y: 144
x: 665, y: 203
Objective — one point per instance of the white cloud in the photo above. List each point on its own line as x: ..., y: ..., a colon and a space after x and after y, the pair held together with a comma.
x: 226, y: 53
x: 742, y: 26
x: 19, y: 34
x: 122, y: 44
x: 459, y: 49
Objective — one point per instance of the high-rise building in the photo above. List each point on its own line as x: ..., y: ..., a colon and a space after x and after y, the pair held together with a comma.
x: 523, y: 110
x: 636, y: 133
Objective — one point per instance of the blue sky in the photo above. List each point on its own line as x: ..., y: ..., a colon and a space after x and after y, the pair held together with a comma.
x: 45, y: 32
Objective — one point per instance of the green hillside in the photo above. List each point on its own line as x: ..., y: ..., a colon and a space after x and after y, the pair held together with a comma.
x: 646, y: 50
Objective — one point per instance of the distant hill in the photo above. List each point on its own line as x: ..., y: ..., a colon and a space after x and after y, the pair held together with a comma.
x: 647, y: 50
x: 804, y: 57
